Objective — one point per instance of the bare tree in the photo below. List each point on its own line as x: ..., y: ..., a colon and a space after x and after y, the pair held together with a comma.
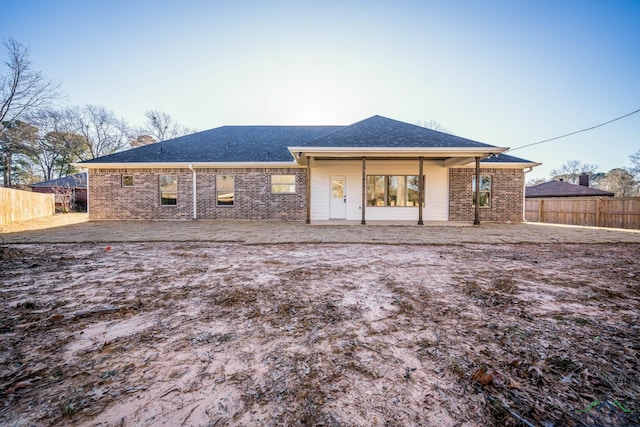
x: 103, y: 132
x: 55, y: 146
x: 159, y: 126
x: 22, y: 89
x: 432, y: 124
x: 571, y: 170
x: 141, y: 140
x: 595, y: 179
x: 620, y: 182
x: 535, y: 181
x: 64, y: 197
x: 635, y: 164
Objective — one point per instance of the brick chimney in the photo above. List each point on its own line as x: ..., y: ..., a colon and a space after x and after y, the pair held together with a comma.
x: 583, y: 179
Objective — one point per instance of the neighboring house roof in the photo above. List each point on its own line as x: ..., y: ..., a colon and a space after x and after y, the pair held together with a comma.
x: 273, y: 144
x: 563, y: 189
x: 78, y: 180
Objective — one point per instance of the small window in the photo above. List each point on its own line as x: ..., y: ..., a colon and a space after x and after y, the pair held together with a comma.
x: 224, y: 190
x: 485, y: 191
x: 127, y: 180
x: 168, y: 190
x: 283, y: 184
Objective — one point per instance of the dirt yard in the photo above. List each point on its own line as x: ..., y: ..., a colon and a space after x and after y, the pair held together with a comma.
x: 208, y: 333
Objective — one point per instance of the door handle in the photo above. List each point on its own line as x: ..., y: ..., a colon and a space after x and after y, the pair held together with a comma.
x: 344, y: 199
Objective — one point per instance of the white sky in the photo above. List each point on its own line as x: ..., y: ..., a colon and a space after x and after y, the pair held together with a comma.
x: 501, y: 72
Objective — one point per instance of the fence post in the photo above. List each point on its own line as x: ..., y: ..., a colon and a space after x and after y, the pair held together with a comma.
x: 540, y: 210
x: 598, y: 200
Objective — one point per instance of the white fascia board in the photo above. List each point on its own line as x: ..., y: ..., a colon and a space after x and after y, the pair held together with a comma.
x: 185, y: 165
x: 512, y: 165
x: 386, y: 151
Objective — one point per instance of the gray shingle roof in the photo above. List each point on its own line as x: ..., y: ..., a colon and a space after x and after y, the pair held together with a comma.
x: 230, y: 144
x: 378, y: 131
x: 505, y: 158
x: 563, y: 189
x: 224, y: 144
x: 78, y: 180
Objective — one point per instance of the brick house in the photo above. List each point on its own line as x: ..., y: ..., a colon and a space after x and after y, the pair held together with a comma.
x: 561, y: 188
x: 375, y: 169
x: 70, y: 191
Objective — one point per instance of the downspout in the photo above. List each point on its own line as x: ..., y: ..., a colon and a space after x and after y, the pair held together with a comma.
x: 308, y: 188
x: 524, y: 200
x: 194, y: 189
x: 476, y: 213
x: 87, y: 192
x: 363, y: 221
x: 420, y: 190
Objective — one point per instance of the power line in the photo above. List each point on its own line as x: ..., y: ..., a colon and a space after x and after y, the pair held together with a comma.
x: 578, y: 131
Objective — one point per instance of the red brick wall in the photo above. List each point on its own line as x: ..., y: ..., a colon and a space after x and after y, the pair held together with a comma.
x: 254, y: 200
x: 507, y: 195
x: 253, y: 197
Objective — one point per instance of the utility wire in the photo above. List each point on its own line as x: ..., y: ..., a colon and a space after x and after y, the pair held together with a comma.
x: 578, y: 131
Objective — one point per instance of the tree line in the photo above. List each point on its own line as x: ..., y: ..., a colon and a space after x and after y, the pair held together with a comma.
x: 39, y: 139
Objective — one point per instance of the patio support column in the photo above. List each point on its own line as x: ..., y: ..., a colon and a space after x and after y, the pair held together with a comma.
x: 309, y: 190
x: 420, y: 190
x: 476, y: 219
x: 364, y: 190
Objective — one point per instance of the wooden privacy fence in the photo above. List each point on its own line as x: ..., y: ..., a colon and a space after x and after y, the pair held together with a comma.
x: 615, y: 212
x: 18, y: 205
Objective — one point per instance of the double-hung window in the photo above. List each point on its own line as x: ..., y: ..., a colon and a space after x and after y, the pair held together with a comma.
x: 485, y: 191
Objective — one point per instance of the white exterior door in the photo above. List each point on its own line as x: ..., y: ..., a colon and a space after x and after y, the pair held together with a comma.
x: 338, y: 198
